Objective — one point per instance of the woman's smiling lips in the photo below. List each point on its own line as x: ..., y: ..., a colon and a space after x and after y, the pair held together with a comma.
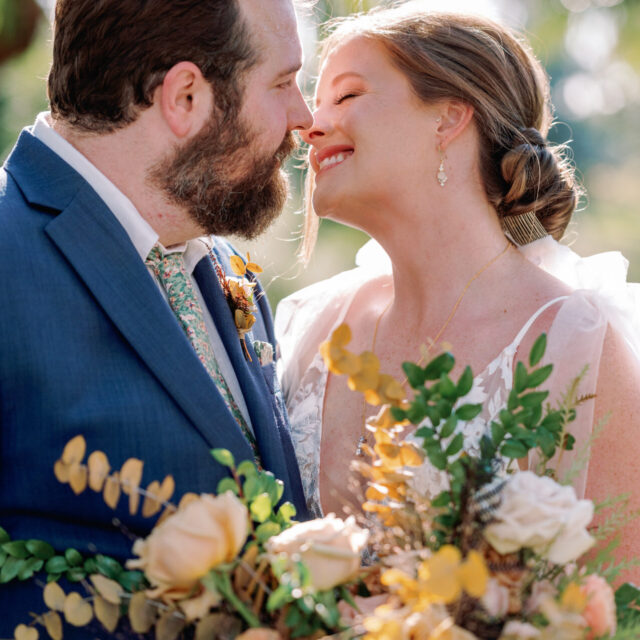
x: 330, y: 157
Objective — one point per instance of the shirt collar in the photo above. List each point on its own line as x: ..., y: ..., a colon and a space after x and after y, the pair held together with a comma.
x: 140, y: 232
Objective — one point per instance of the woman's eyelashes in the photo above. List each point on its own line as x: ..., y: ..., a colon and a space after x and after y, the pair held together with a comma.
x: 346, y: 96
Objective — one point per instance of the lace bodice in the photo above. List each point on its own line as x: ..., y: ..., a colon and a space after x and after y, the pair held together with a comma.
x: 305, y: 405
x: 600, y: 298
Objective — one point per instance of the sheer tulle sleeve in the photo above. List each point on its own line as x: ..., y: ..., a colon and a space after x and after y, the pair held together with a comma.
x: 306, y: 318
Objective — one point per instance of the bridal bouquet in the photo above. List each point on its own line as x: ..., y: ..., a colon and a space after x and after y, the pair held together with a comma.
x: 231, y: 565
x: 492, y: 552
x: 498, y: 552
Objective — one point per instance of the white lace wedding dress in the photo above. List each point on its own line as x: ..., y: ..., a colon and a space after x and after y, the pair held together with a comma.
x: 600, y: 297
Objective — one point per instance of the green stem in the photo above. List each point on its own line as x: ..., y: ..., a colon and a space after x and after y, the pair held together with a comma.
x: 223, y: 584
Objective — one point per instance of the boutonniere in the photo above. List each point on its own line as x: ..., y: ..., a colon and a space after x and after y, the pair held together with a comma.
x: 239, y: 293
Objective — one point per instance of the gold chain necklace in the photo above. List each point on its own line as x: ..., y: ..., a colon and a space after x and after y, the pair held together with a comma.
x: 475, y: 276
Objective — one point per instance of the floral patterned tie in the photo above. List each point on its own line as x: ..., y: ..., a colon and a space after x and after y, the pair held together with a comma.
x: 171, y: 272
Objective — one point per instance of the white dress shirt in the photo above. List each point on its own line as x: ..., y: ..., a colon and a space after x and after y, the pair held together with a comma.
x: 143, y: 238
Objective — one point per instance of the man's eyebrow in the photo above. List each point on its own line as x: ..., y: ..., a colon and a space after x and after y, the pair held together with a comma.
x: 339, y: 77
x: 292, y: 69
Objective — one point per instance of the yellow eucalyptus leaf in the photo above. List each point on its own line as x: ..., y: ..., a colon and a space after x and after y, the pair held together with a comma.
x: 372, y: 397
x: 169, y: 626
x: 110, y: 590
x: 573, y: 598
x: 54, y: 596
x: 253, y: 267
x: 78, y: 477
x: 186, y: 499
x: 74, y: 450
x: 439, y: 574
x: 341, y: 336
x: 61, y: 471
x: 142, y: 613
x: 376, y: 492
x: 167, y: 488
x: 383, y: 419
x: 107, y: 613
x: 410, y: 455
x: 350, y: 364
x: 391, y: 388
x: 111, y: 492
x: 22, y: 632
x: 53, y: 624
x: 134, y: 503
x: 99, y: 467
x: 151, y: 504
x: 131, y: 475
x: 473, y: 575
x: 77, y: 611
x: 237, y: 265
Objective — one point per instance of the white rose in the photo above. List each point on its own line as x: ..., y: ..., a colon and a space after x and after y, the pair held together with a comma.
x: 538, y: 513
x: 516, y: 630
x: 329, y: 547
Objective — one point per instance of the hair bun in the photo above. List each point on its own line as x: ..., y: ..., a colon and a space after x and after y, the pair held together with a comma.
x: 538, y: 178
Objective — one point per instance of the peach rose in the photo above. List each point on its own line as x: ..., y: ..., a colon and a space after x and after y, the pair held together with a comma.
x: 329, y: 547
x: 180, y: 550
x: 600, y: 612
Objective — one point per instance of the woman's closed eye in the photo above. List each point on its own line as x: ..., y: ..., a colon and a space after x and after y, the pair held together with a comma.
x: 345, y: 96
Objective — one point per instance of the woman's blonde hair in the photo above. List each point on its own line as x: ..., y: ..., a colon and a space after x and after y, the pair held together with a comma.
x: 482, y: 63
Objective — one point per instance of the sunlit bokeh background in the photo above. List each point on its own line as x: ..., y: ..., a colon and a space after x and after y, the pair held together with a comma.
x: 591, y: 49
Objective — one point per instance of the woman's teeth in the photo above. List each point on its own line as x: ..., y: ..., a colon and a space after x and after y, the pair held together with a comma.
x: 331, y: 160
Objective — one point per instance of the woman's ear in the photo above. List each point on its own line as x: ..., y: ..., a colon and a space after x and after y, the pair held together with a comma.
x: 185, y: 99
x: 454, y: 116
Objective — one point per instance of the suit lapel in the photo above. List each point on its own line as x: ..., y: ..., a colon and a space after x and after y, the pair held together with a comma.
x: 98, y: 248
x: 254, y: 388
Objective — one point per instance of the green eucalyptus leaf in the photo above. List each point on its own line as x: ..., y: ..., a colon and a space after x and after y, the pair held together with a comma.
x: 40, y: 549
x: 17, y: 549
x: 568, y: 442
x: 497, y: 432
x: 286, y: 512
x: 90, y: 566
x: 627, y: 594
x: 53, y: 577
x: 398, y: 414
x: 31, y: 566
x: 535, y: 398
x: 252, y: 487
x: 446, y: 387
x: 108, y: 567
x: 278, y: 598
x: 520, y: 378
x: 4, y: 536
x: 449, y: 426
x: 425, y: 432
x: 455, y: 446
x: 261, y: 507
x: 132, y: 581
x: 76, y: 574
x: 446, y: 520
x: 416, y: 413
x: 227, y: 484
x: 439, y: 365
x: 546, y: 441
x: 487, y: 447
x: 247, y: 468
x: 457, y: 471
x: 3, y: 556
x: 537, y: 377
x: 513, y: 449
x: 506, y: 418
x: 538, y: 349
x: 11, y: 568
x: 278, y: 492
x: 468, y: 411
x: 513, y: 402
x: 293, y: 617
x: 434, y: 415
x: 441, y: 500
x: 267, y: 530
x: 73, y: 557
x: 415, y: 374
x: 444, y: 408
x: 465, y: 382
x: 57, y: 564
x: 553, y: 421
x: 438, y: 459
x: 224, y: 457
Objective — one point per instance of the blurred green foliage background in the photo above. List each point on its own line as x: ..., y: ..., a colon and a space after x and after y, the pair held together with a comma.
x: 591, y: 49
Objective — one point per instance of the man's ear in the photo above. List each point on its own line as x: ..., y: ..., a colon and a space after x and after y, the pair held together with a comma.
x: 453, y: 120
x: 185, y: 99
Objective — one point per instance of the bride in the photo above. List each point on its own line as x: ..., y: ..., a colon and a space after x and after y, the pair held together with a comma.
x: 430, y: 135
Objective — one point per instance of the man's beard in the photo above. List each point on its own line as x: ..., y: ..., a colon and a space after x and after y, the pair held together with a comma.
x: 225, y: 186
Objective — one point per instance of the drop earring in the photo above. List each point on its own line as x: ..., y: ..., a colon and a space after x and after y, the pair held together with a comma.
x: 441, y: 176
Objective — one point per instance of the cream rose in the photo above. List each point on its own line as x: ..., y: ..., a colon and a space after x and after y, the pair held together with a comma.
x: 538, y: 513
x: 329, y: 547
x: 185, y: 546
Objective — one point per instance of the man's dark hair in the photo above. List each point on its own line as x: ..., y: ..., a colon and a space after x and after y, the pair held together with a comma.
x: 110, y: 55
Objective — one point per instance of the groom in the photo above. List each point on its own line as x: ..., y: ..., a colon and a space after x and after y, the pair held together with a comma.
x: 169, y: 121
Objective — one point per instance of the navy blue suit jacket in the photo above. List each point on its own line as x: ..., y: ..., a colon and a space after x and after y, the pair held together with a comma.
x: 89, y: 346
